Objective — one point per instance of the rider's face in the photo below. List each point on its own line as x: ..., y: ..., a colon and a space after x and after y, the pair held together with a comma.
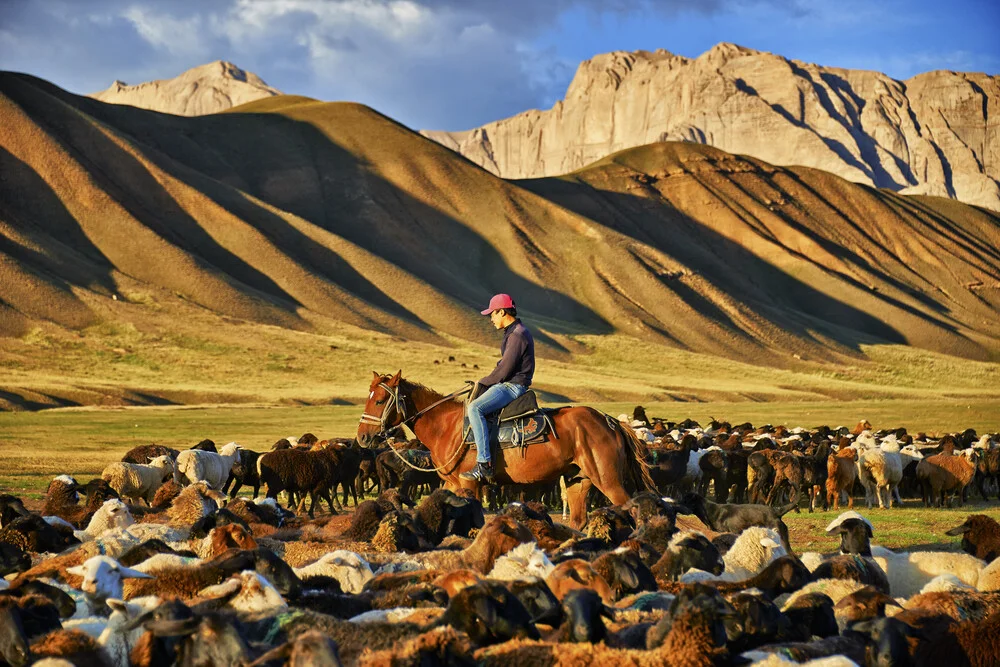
x: 495, y: 317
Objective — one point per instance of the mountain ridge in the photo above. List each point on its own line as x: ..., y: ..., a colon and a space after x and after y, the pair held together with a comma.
x: 205, y: 89
x: 930, y: 134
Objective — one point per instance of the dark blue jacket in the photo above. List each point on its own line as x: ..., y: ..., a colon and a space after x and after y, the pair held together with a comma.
x: 517, y: 360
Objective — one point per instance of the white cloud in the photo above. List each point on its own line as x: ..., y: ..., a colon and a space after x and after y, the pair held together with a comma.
x: 164, y: 32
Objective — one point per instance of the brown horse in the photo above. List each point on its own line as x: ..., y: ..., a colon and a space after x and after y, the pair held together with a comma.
x: 589, y: 447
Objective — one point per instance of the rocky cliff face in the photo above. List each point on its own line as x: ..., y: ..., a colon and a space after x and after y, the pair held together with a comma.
x: 937, y: 133
x: 202, y: 90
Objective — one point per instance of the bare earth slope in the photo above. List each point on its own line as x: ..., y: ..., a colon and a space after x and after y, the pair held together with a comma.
x: 936, y: 133
x: 206, y: 89
x: 288, y: 211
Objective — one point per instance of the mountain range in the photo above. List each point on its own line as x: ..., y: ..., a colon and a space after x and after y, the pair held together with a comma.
x: 287, y: 210
x: 935, y: 133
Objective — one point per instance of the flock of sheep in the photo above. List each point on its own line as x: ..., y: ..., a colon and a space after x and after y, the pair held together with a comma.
x: 152, y: 563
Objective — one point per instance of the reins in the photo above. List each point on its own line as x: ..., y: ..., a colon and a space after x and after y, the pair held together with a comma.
x: 401, y: 409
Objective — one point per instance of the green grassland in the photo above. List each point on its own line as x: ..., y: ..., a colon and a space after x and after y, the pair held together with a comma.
x: 234, y: 380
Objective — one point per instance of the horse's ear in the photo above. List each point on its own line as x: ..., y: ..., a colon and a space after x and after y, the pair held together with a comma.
x: 376, y: 377
x: 396, y: 378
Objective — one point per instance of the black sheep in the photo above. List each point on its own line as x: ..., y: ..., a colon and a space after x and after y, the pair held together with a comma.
x: 489, y: 614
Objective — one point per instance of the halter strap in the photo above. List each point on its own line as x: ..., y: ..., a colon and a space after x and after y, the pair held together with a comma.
x: 394, y: 401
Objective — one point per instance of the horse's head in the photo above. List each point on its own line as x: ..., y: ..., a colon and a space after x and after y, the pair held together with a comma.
x: 384, y: 410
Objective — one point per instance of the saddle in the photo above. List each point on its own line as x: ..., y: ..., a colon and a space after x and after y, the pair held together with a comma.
x: 518, y: 424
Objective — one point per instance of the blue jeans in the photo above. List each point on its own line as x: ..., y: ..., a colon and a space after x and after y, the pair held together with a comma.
x: 491, y: 400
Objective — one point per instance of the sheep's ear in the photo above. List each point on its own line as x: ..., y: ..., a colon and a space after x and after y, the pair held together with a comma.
x: 957, y: 530
x: 868, y: 530
x: 129, y: 573
x: 768, y: 543
x: 78, y: 570
x: 627, y: 576
x: 117, y: 605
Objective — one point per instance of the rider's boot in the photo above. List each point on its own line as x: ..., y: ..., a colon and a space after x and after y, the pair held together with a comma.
x: 482, y: 472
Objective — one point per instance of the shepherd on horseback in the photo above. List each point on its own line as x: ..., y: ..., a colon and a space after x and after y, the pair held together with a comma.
x: 508, y: 381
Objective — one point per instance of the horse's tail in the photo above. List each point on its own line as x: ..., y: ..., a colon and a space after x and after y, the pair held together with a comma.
x: 636, y: 468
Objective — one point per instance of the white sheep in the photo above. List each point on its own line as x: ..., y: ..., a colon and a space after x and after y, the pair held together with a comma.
x: 989, y: 577
x: 247, y: 592
x: 836, y: 589
x: 761, y: 658
x: 753, y: 550
x: 909, y: 572
x: 112, y: 514
x: 102, y: 578
x: 158, y: 531
x: 347, y: 567
x: 111, y: 632
x: 812, y: 560
x: 523, y: 561
x: 158, y: 562
x: 394, y: 615
x: 194, y: 465
x: 135, y: 481
x: 880, y: 470
x: 944, y: 583
x: 399, y: 566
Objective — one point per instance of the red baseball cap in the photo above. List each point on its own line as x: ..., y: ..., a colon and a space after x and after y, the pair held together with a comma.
x: 497, y: 302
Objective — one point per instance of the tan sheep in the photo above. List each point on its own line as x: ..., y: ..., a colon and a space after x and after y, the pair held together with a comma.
x: 135, y: 481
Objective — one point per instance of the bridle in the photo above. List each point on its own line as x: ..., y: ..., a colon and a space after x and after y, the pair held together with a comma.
x: 395, y: 401
x: 382, y: 421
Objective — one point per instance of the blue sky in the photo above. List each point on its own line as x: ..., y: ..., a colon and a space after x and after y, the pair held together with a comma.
x: 456, y: 64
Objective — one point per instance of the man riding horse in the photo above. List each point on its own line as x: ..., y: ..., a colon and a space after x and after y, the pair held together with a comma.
x: 508, y: 381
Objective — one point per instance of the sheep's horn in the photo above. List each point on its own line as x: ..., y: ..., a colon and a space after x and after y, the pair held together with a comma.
x: 958, y: 530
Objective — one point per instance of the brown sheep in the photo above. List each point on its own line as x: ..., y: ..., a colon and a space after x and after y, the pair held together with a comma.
x: 453, y: 582
x: 63, y: 494
x: 841, y: 472
x: 76, y: 647
x: 230, y: 536
x: 959, y: 605
x: 980, y: 536
x: 143, y: 454
x: 192, y: 504
x: 577, y: 573
x: 853, y: 566
x: 497, y: 537
x: 944, y: 473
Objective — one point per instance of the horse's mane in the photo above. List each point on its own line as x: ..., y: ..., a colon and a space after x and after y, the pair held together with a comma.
x: 415, y: 387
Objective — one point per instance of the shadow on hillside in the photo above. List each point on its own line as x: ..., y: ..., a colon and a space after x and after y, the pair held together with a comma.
x: 31, y: 204
x: 792, y: 304
x: 854, y: 258
x: 341, y: 194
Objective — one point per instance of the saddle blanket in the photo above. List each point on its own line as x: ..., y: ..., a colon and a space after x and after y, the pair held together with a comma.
x: 512, y: 433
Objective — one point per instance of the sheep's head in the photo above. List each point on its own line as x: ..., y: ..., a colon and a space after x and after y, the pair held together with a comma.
x: 577, y: 573
x: 247, y: 591
x: 352, y: 571
x: 583, y: 609
x: 230, y: 449
x: 165, y: 463
x: 64, y: 484
x: 855, y: 533
x: 690, y: 549
x: 13, y: 642
x: 102, y: 577
x: 113, y: 514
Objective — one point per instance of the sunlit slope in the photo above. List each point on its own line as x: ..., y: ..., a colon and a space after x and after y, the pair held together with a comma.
x: 288, y: 210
